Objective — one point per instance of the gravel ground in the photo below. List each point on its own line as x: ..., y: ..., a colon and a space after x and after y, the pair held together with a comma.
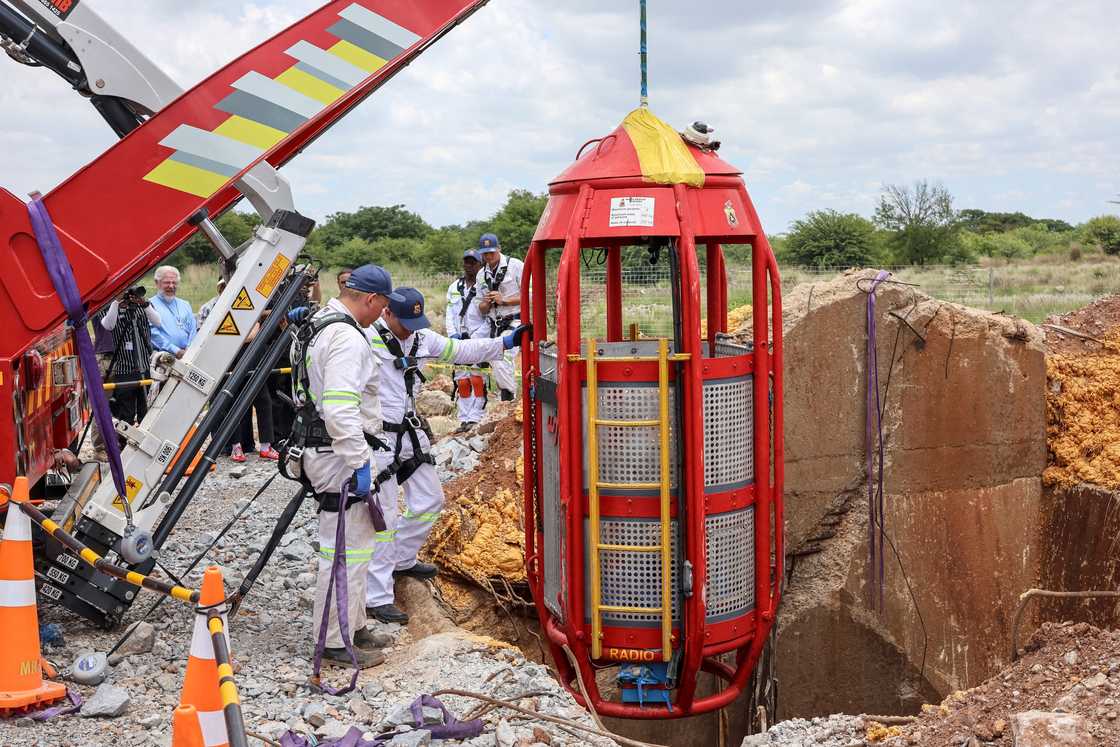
x: 271, y: 641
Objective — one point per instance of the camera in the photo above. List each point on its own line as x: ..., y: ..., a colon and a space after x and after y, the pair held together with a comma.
x: 135, y: 295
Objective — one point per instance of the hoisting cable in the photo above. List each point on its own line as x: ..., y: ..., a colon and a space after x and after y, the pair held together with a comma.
x: 197, y: 559
x: 644, y: 101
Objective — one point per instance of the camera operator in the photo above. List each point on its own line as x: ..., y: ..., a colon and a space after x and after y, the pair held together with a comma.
x: 129, y: 319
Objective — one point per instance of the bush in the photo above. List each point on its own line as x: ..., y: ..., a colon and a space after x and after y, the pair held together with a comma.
x: 826, y: 238
x: 1103, y: 231
x: 997, y: 245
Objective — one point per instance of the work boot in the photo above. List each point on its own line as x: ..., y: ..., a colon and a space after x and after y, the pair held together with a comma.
x: 387, y: 613
x: 366, y: 657
x: 367, y: 639
x: 507, y: 395
x: 464, y: 427
x: 422, y: 571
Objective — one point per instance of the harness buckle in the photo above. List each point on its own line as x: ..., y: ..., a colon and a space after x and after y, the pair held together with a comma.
x: 413, y: 421
x: 295, y: 452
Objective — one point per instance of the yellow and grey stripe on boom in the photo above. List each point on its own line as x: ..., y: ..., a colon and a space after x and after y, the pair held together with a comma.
x: 263, y: 110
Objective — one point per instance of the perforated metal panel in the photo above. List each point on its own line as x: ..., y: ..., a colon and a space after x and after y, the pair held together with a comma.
x: 633, y: 579
x: 629, y: 454
x: 728, y: 433
x: 731, y: 567
x: 551, y: 515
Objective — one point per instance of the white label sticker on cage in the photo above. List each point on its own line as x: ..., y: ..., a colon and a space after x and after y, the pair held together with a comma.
x: 632, y: 211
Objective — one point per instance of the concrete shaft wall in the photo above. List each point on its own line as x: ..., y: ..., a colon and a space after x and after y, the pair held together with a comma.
x: 964, y: 448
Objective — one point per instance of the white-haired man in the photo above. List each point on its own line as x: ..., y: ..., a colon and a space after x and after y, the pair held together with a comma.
x: 177, y: 327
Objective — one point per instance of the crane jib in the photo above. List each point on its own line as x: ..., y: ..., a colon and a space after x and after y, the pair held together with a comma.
x: 125, y: 211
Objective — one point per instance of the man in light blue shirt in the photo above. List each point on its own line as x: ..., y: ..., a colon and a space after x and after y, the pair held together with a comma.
x: 177, y: 327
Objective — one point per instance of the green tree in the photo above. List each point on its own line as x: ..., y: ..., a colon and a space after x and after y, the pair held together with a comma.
x: 370, y: 224
x: 516, y: 221
x: 998, y: 245
x: 1104, y: 231
x: 826, y: 238
x: 922, y: 224
x: 236, y: 227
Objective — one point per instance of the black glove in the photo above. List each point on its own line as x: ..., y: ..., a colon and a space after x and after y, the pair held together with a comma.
x: 513, y: 339
x: 405, y: 363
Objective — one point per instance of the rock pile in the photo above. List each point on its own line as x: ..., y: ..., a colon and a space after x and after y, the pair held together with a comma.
x: 1065, y: 690
x: 272, y: 646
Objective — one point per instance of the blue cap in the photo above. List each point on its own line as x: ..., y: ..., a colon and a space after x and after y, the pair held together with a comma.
x: 372, y: 279
x: 488, y: 242
x: 473, y: 254
x: 408, y: 308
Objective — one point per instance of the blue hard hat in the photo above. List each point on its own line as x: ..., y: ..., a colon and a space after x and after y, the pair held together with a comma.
x: 409, y: 309
x: 488, y: 242
x: 372, y: 279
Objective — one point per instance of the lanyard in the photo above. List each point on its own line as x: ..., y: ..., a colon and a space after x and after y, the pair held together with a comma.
x: 181, y: 321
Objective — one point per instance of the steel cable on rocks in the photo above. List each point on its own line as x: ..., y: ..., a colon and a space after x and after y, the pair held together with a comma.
x: 198, y: 558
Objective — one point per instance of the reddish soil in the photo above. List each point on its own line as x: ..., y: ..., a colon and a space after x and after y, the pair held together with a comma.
x: 1070, y: 667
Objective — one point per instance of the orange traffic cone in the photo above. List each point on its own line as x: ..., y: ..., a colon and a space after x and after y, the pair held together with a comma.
x: 185, y: 729
x: 21, y: 675
x: 200, y: 684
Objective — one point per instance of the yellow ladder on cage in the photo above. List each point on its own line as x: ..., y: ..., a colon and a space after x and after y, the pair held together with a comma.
x: 661, y: 422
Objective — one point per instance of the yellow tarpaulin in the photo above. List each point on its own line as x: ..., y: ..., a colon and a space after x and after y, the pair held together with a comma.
x: 663, y: 155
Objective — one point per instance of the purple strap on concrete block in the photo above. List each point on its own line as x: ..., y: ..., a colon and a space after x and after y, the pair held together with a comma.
x: 62, y: 277
x: 338, y: 569
x: 871, y: 441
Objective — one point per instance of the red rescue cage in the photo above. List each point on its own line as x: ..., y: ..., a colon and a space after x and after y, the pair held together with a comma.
x: 653, y: 439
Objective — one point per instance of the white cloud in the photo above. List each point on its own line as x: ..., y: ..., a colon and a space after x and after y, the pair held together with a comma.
x: 820, y: 101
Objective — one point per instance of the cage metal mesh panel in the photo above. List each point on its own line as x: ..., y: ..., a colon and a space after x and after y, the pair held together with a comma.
x: 551, y: 516
x: 633, y: 579
x: 628, y: 454
x: 728, y: 432
x: 731, y: 567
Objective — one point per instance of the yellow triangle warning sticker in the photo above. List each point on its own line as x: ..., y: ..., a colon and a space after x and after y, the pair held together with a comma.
x: 131, y: 488
x: 228, y: 326
x: 243, y: 302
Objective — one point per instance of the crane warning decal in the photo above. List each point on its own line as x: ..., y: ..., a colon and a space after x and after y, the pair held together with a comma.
x: 60, y: 8
x: 228, y: 326
x: 131, y: 487
x: 273, y: 275
x: 243, y: 302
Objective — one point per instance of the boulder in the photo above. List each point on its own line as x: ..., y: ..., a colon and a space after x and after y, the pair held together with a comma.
x: 432, y: 403
x: 964, y: 443
x: 442, y: 425
x: 108, y: 701
x: 1044, y: 729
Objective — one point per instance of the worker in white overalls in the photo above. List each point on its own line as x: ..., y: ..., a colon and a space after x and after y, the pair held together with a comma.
x: 501, y: 304
x: 405, y: 344
x: 340, y: 375
x: 462, y: 322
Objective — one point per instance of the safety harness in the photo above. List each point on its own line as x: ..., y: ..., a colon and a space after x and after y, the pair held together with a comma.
x: 412, y: 423
x: 498, y: 324
x: 467, y: 298
x: 309, y: 431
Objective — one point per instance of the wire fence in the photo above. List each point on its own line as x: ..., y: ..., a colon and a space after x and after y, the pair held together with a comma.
x: 1032, y: 289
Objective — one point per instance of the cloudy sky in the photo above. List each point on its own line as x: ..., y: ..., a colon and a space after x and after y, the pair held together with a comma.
x: 1013, y: 105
